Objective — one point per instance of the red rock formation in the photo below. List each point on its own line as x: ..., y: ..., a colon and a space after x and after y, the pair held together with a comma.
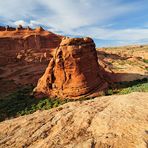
x: 25, y: 53
x: 16, y: 41
x: 39, y: 29
x: 73, y: 72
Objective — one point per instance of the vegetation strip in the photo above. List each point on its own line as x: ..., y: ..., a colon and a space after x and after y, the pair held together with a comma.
x: 22, y: 103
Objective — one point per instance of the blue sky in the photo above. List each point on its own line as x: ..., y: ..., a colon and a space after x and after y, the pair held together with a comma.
x: 108, y: 22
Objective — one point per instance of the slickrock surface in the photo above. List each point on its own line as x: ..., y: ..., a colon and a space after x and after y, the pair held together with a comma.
x: 104, y: 122
x: 73, y: 72
x: 24, y: 55
x: 125, y: 63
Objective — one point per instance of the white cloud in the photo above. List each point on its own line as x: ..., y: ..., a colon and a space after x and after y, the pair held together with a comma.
x: 74, y: 17
x: 20, y: 22
x: 64, y: 14
x: 31, y: 23
x: 16, y: 9
x: 72, y: 14
x: 131, y: 34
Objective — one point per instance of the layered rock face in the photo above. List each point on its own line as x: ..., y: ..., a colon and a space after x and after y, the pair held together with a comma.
x: 15, y: 43
x: 73, y: 72
x: 118, y: 121
x: 24, y: 55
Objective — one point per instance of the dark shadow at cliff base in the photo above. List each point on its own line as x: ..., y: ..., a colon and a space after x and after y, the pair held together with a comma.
x: 21, y: 102
x: 126, y: 87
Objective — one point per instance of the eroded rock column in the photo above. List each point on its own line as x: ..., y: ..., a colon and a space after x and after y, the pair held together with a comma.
x: 73, y: 71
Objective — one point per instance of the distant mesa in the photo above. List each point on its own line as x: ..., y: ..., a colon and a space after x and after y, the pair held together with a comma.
x: 73, y: 72
x: 23, y: 38
x: 20, y: 28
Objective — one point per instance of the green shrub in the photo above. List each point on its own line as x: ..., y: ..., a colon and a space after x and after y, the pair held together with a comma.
x: 136, y: 88
x: 110, y: 92
x: 22, y: 103
x: 128, y: 87
x: 145, y: 60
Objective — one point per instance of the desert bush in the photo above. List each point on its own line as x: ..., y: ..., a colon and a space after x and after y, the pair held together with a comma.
x: 145, y: 60
x: 136, y: 88
x: 128, y: 87
x: 110, y: 92
x: 22, y: 103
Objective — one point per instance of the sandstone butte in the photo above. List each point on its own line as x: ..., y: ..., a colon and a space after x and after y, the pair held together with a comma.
x: 117, y: 121
x: 73, y: 72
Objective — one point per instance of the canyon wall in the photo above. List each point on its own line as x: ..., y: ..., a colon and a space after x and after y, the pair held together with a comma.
x: 14, y: 43
x: 24, y: 55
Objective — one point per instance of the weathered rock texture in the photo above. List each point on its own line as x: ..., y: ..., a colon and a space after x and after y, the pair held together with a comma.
x: 73, y: 71
x: 105, y: 122
x: 15, y: 42
x: 24, y: 55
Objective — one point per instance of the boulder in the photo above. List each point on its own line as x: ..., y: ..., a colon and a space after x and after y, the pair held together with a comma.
x: 73, y: 72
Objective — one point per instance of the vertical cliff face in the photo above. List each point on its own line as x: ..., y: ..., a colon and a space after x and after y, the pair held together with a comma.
x: 14, y: 42
x: 73, y: 72
x: 24, y: 54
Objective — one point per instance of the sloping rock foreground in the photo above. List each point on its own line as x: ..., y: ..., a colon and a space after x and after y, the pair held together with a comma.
x: 73, y: 71
x: 105, y: 122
